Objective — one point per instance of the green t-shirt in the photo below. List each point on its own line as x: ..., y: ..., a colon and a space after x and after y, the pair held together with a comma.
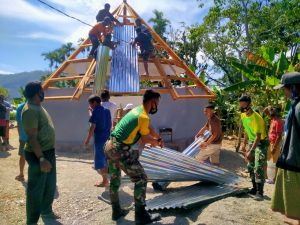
x: 132, y: 126
x: 254, y: 124
x: 34, y: 116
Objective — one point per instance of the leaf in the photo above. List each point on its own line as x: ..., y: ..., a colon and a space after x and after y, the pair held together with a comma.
x: 291, y: 68
x: 272, y: 81
x: 241, y: 85
x: 260, y: 69
x: 299, y: 56
x: 268, y: 54
x: 241, y: 67
x: 282, y: 64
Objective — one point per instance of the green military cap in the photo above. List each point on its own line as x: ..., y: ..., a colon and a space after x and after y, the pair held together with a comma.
x: 288, y: 78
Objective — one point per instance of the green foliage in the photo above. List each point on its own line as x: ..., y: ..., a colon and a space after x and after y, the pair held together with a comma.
x: 58, y: 56
x: 4, y: 91
x: 12, y: 115
x: 159, y: 23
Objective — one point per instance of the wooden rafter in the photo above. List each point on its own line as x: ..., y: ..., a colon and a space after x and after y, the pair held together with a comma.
x: 127, y: 13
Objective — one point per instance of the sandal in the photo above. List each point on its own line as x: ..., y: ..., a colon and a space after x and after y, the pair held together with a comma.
x: 20, y: 178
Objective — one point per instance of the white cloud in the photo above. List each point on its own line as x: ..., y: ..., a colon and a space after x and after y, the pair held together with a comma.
x: 5, y: 72
x: 42, y: 35
x: 61, y: 28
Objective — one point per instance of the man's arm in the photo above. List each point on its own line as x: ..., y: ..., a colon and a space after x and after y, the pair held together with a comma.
x: 90, y: 134
x: 277, y: 141
x: 245, y: 142
x: 153, y: 133
x: 201, y: 131
x: 115, y: 20
x: 149, y: 139
x: 32, y: 138
x: 248, y: 155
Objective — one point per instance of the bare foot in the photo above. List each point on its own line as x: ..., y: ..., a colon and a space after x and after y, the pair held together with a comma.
x: 291, y: 221
x: 20, y: 178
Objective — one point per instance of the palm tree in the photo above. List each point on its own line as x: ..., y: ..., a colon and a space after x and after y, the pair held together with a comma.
x: 159, y: 23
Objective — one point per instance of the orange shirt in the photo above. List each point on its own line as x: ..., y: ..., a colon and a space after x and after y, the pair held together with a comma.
x: 99, y: 29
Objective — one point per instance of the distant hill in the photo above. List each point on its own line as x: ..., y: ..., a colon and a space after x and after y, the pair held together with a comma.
x: 13, y: 82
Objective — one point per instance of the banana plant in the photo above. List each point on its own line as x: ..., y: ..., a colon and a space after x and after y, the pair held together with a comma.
x: 262, y: 72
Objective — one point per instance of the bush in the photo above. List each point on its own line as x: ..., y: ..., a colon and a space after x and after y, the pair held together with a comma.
x: 12, y: 115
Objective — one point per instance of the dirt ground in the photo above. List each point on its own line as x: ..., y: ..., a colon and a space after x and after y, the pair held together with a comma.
x: 77, y: 199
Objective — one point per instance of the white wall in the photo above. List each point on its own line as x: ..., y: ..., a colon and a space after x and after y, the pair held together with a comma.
x: 71, y: 117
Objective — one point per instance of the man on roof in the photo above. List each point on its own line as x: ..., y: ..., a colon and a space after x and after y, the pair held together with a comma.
x: 145, y: 42
x: 105, y: 13
x: 101, y: 32
x: 144, y: 29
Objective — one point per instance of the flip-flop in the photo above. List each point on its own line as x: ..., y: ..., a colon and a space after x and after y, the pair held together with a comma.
x: 101, y: 185
x: 20, y: 178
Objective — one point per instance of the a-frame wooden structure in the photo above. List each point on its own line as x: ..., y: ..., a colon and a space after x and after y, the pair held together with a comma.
x: 163, y: 69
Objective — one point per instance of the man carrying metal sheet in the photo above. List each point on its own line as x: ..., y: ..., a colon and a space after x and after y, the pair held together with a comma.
x: 212, y: 146
x: 133, y: 127
x: 256, y: 137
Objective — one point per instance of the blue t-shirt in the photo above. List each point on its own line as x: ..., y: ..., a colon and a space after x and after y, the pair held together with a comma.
x: 23, y: 136
x: 101, y: 117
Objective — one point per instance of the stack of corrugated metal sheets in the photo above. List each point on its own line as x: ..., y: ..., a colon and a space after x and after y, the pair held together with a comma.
x: 124, y: 75
x: 192, y: 196
x: 162, y: 164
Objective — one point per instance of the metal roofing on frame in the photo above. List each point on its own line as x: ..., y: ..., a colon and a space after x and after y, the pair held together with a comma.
x: 124, y: 76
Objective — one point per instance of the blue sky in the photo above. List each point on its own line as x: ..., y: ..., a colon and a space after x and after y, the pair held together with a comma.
x: 29, y: 28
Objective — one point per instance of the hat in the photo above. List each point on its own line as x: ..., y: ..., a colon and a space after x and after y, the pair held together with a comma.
x: 289, y: 78
x: 245, y: 98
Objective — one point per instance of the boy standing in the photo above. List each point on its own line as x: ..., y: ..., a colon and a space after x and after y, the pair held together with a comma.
x: 100, y: 128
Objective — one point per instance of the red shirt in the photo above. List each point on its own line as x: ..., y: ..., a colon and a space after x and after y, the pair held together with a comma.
x: 276, y: 127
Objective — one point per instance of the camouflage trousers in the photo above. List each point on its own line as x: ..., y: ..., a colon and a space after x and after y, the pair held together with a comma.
x: 122, y: 157
x: 256, y: 167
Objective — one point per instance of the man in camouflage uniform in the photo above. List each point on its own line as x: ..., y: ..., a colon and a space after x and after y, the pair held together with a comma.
x: 133, y: 127
x: 256, y: 137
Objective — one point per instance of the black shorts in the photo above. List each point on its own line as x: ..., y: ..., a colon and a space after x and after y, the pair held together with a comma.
x: 2, y: 131
x: 146, y: 54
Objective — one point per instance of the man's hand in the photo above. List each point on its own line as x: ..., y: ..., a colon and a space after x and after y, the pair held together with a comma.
x: 161, y: 143
x: 248, y: 156
x: 45, y: 166
x: 243, y: 148
x: 204, y: 145
x: 86, y: 144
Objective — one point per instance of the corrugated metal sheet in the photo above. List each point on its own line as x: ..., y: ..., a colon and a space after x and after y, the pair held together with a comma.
x: 100, y: 78
x: 124, y: 75
x: 169, y: 165
x: 191, y: 196
x: 192, y: 150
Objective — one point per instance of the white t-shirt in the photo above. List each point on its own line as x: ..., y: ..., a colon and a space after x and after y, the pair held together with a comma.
x: 112, y: 107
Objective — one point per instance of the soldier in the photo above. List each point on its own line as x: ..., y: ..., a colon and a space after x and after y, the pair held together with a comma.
x: 256, y: 137
x: 133, y: 127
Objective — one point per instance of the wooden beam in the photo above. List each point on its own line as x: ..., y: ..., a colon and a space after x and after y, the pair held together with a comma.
x: 165, y: 80
x: 58, y: 98
x: 84, y: 80
x: 64, y: 64
x: 65, y: 78
x: 196, y: 97
x: 169, y: 77
x: 171, y: 52
x: 80, y: 60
